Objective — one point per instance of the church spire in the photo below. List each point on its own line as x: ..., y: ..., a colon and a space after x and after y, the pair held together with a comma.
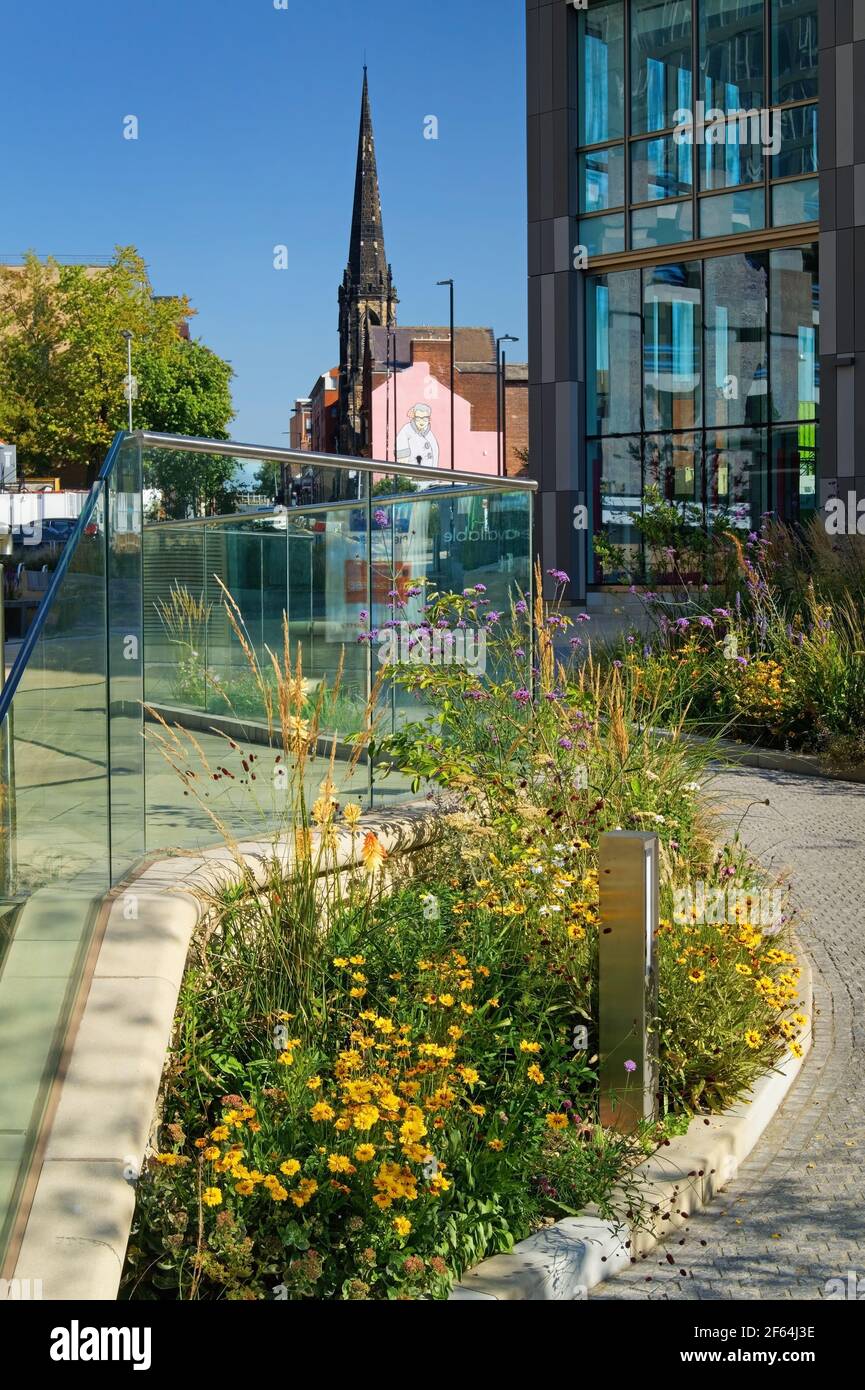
x: 367, y: 298
x: 366, y: 257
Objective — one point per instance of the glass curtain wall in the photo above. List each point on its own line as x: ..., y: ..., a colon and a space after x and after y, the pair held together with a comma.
x: 698, y: 119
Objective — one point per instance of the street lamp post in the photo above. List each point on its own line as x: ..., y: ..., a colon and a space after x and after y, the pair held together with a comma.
x: 450, y: 284
x: 500, y: 401
x: 129, y: 383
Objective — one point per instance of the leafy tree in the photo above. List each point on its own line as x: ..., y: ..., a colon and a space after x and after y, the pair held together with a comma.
x: 63, y: 363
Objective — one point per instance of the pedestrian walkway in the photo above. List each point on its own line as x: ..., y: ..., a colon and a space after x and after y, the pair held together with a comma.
x: 794, y: 1217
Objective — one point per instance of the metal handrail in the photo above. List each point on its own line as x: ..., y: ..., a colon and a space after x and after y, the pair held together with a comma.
x: 231, y: 449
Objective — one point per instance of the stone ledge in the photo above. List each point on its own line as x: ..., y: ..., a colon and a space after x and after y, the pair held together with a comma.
x: 566, y: 1260
x: 79, y: 1222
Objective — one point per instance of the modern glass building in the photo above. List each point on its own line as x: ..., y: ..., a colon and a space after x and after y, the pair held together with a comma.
x: 696, y: 263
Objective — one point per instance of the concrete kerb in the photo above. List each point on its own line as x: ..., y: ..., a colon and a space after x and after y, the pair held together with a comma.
x: 564, y: 1261
x: 81, y: 1214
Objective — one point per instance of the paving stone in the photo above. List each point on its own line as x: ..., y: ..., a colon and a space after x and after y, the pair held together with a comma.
x: 816, y: 830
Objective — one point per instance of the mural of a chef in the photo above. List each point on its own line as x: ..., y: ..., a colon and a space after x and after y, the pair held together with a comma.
x: 416, y: 442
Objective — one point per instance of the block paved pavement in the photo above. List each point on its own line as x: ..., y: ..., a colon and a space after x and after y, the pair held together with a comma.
x: 794, y: 1217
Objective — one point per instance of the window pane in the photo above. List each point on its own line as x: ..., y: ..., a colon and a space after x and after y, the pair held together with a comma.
x: 663, y: 225
x: 602, y: 72
x: 602, y: 179
x: 735, y: 296
x: 613, y: 331
x: 734, y: 477
x: 671, y: 346
x: 601, y: 236
x: 798, y: 153
x: 660, y: 168
x: 794, y: 50
x: 796, y: 202
x: 794, y: 471
x: 670, y: 465
x: 615, y: 469
x: 660, y: 62
x: 731, y: 53
x: 732, y: 152
x: 725, y: 214
x: 794, y: 307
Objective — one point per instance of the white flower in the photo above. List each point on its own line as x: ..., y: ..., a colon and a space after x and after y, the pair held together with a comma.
x: 692, y: 787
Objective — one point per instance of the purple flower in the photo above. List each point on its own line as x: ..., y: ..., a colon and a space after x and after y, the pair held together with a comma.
x: 583, y: 618
x: 566, y: 743
x: 381, y: 518
x: 480, y: 588
x: 576, y: 642
x: 618, y: 665
x: 519, y: 651
x: 705, y: 622
x: 630, y: 1067
x: 559, y: 576
x: 413, y: 591
x: 682, y: 624
x: 522, y: 696
x: 521, y: 607
x: 492, y: 616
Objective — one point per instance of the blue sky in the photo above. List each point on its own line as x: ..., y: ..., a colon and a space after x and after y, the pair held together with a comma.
x: 248, y: 122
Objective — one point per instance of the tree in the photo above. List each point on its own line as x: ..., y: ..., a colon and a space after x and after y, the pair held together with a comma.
x: 63, y: 363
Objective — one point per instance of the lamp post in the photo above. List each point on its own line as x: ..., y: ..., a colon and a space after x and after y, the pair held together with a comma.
x: 450, y: 284
x: 130, y: 384
x: 500, y: 400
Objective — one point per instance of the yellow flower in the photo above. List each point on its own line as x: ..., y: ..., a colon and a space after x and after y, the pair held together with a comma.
x: 211, y: 1153
x: 753, y: 1039
x: 306, y: 1189
x: 366, y: 1116
x: 402, y: 1225
x: 496, y: 1145
x: 211, y: 1196
x: 220, y: 1133
x: 352, y: 813
x: 314, y: 1083
x: 797, y: 1049
x: 469, y: 1075
x: 373, y: 853
x: 744, y: 970
x: 339, y: 1163
x: 289, y: 1167
x: 800, y: 1019
x: 365, y: 1153
x: 340, y: 961
x: 557, y: 1121
x: 696, y: 976
x: 357, y: 960
x: 286, y: 1059
x: 244, y: 1188
x: 535, y: 1074
x: 529, y: 1046
x: 322, y: 1111
x: 478, y: 1109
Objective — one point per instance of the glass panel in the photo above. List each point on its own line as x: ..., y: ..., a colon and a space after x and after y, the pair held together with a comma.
x: 614, y: 332
x: 736, y: 308
x: 794, y: 471
x: 796, y: 202
x: 660, y: 63
x: 732, y: 150
x: 798, y: 153
x: 794, y: 50
x: 602, y: 236
x: 734, y: 477
x: 660, y: 168
x: 616, y: 471
x: 725, y: 214
x: 602, y: 179
x: 663, y: 225
x: 731, y: 53
x: 794, y: 299
x: 602, y: 72
x: 670, y: 464
x: 55, y: 842
x: 671, y: 346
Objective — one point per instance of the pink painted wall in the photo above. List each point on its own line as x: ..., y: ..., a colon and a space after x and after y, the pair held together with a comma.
x: 475, y: 450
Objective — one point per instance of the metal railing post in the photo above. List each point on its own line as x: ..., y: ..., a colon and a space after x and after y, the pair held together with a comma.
x: 628, y: 979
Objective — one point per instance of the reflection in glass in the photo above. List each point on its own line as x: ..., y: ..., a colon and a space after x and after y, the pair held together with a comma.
x: 671, y: 346
x: 670, y: 465
x: 616, y: 474
x: 726, y: 214
x: 738, y: 158
x: 602, y: 236
x: 796, y: 202
x: 734, y: 478
x: 660, y: 168
x: 731, y: 53
x: 736, y: 307
x: 663, y: 225
x: 794, y: 301
x: 794, y: 50
x: 602, y: 179
x: 613, y: 330
x: 798, y: 153
x: 602, y: 72
x: 794, y: 471
x: 660, y: 62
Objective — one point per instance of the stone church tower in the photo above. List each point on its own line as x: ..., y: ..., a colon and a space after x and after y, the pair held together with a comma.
x: 367, y: 298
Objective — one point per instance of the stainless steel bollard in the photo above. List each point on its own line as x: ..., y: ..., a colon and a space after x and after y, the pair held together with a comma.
x: 628, y: 978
